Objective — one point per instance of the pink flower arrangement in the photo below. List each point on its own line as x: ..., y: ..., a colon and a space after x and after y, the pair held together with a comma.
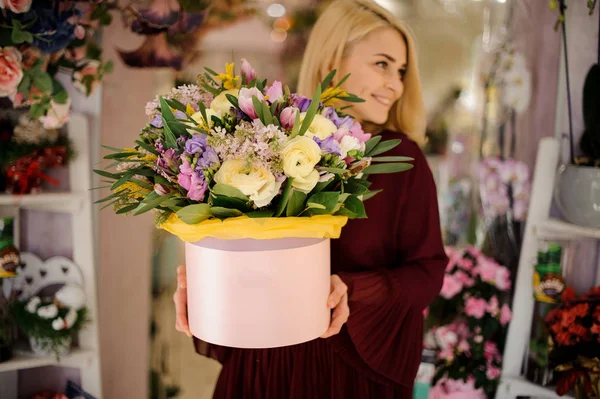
x: 456, y: 389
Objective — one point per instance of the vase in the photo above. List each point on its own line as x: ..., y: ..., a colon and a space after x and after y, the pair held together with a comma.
x: 43, y: 347
x: 577, y: 194
x: 258, y: 293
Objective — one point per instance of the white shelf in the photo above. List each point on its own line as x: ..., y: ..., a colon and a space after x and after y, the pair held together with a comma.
x: 58, y: 202
x: 79, y: 358
x: 559, y: 229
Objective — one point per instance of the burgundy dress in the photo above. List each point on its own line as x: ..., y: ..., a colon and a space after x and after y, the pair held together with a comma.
x: 393, y: 263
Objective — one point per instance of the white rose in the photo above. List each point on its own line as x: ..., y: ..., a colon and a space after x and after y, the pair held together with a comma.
x: 48, y: 312
x: 348, y: 144
x: 300, y: 156
x: 220, y: 104
x: 255, y: 181
x: 320, y: 126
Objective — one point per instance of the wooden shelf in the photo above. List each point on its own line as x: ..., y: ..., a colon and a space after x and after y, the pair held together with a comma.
x: 559, y: 229
x: 58, y: 202
x: 79, y: 358
x: 519, y: 386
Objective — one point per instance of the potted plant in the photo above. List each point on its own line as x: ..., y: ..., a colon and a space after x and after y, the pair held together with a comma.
x: 576, y: 190
x: 51, y: 322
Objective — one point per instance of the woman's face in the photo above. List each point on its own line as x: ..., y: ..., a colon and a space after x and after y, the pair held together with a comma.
x: 377, y: 65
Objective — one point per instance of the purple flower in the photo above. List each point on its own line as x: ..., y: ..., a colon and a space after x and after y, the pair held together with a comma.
x: 196, y: 145
x: 168, y: 161
x: 208, y: 158
x: 180, y: 115
x: 197, y: 188
x: 159, y: 146
x: 275, y: 92
x: 157, y: 121
x: 345, y: 122
x: 328, y: 145
x: 300, y: 102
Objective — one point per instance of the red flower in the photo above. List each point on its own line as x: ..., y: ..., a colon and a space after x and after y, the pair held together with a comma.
x: 568, y: 318
x: 581, y: 310
x: 568, y: 295
x: 580, y: 332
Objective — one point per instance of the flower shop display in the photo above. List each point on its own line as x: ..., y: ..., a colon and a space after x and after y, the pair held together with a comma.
x: 27, y: 149
x: 466, y: 324
x: 548, y: 285
x: 504, y: 189
x: 9, y: 259
x: 576, y: 190
x: 51, y: 322
x: 575, y: 329
x: 256, y: 180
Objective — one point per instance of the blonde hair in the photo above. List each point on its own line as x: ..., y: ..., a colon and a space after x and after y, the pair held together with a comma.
x: 343, y: 24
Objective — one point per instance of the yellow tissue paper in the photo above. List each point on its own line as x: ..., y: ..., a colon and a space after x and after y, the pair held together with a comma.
x: 320, y: 226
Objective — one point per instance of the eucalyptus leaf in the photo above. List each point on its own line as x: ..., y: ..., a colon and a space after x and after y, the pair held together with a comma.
x: 387, y: 168
x: 193, y: 214
x: 170, y: 139
x: 296, y: 204
x: 224, y: 189
x: 383, y: 147
x: 146, y: 147
x: 311, y: 111
x: 152, y: 201
x: 225, y: 213
x: 327, y: 80
x: 104, y: 173
x: 126, y: 209
x: 392, y: 159
x: 371, y: 143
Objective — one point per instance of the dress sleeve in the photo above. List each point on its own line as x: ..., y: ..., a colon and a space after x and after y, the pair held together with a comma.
x: 386, y: 304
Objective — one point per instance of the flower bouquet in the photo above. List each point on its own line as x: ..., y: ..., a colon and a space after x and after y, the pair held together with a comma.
x: 256, y: 180
x: 50, y: 322
x: 466, y: 325
x: 575, y: 330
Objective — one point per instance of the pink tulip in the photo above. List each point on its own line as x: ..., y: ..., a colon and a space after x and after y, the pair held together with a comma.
x: 288, y: 117
x: 275, y: 92
x: 248, y: 71
x: 245, y: 100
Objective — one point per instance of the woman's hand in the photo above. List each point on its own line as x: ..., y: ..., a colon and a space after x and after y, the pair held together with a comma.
x: 338, y: 300
x: 180, y: 299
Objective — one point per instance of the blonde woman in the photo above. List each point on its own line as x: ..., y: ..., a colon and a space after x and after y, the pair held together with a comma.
x: 387, y: 268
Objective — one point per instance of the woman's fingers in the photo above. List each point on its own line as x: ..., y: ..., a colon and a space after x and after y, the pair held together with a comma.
x: 180, y: 299
x: 339, y: 317
x: 338, y: 290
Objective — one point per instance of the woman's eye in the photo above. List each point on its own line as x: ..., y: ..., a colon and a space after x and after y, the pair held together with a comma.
x: 382, y: 64
x: 402, y: 73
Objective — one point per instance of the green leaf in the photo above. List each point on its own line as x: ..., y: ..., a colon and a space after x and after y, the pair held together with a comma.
x: 352, y: 99
x: 210, y: 89
x: 25, y: 84
x: 165, y: 110
x: 19, y: 36
x: 334, y: 170
x: 324, y: 201
x: 285, y: 197
x: 392, y: 159
x: 178, y: 128
x: 370, y: 194
x: 105, y: 19
x: 170, y: 139
x: 224, y: 201
x: 152, y: 201
x: 260, y: 214
x: 43, y: 82
x: 233, y: 100
x: 295, y: 204
x: 37, y: 110
x: 211, y: 71
x: 175, y: 105
x: 341, y: 82
x: 228, y: 191
x: 353, y: 187
x: 146, y: 147
x: 321, y: 186
x: 296, y: 128
x: 257, y: 104
x: 327, y: 80
x: 104, y: 173
x: 107, y: 198
x: 126, y: 209
x: 193, y: 214
x: 126, y: 177
x: 266, y: 112
x: 224, y: 213
x: 311, y: 111
x: 61, y: 97
x: 119, y: 155
x: 371, y: 143
x: 109, y: 66
x: 202, y: 108
x: 387, y: 168
x: 356, y: 206
x: 383, y: 147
